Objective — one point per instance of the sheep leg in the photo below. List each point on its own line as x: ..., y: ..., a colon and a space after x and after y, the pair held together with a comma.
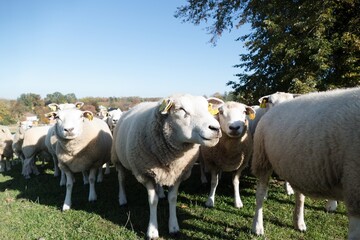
x: 107, y: 168
x: 26, y: 168
x: 85, y: 177
x: 100, y: 176
x: 8, y: 164
x: 354, y: 228
x: 34, y: 169
x: 92, y: 192
x: 152, y: 231
x: 331, y: 205
x: 202, y: 171
x: 289, y: 190
x: 160, y: 191
x: 261, y: 192
x: 298, y: 217
x: 69, y: 187
x: 2, y: 164
x: 237, y: 199
x: 172, y: 199
x: 62, y: 178
x: 121, y: 178
x: 214, y: 182
x: 56, y: 167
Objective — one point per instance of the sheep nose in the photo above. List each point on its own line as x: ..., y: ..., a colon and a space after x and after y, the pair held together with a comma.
x: 234, y: 128
x: 214, y: 128
x: 69, y: 130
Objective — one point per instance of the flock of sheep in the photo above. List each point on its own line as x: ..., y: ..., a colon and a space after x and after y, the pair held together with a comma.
x: 312, y: 141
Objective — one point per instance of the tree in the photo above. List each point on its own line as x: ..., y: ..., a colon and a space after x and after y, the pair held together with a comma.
x: 294, y: 46
x: 58, y: 97
x: 30, y: 101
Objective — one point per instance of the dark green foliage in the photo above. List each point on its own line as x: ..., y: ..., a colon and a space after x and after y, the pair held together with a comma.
x: 294, y: 46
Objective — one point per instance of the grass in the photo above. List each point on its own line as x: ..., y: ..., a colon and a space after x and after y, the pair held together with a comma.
x: 31, y: 209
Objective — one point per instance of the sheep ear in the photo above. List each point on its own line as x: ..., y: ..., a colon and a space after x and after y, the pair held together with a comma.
x: 214, y: 104
x: 165, y: 106
x: 53, y: 107
x: 50, y: 115
x: 79, y: 104
x: 250, y: 112
x: 263, y: 101
x: 89, y: 115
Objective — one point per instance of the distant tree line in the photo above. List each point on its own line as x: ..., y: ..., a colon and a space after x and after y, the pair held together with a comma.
x: 13, y: 111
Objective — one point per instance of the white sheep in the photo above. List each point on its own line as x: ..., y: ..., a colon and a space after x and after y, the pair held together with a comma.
x: 83, y: 144
x: 33, y: 145
x: 50, y: 140
x: 234, y: 149
x: 159, y: 143
x: 266, y: 103
x: 18, y: 140
x: 6, y: 151
x: 113, y: 116
x: 313, y: 143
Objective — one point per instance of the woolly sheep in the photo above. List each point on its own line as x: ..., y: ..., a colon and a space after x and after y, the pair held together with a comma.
x: 306, y: 141
x: 159, y: 143
x: 18, y: 140
x: 6, y: 151
x: 83, y: 144
x: 266, y: 103
x: 113, y: 116
x: 233, y: 150
x: 50, y: 140
x: 33, y: 145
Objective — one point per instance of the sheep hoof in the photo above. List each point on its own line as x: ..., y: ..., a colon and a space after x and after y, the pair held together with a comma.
x: 65, y: 207
x: 331, y: 206
x: 239, y: 205
x: 209, y: 203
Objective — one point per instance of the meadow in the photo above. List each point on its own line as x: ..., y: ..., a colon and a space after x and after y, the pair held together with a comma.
x: 30, y: 209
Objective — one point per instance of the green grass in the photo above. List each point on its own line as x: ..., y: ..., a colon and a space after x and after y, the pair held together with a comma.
x: 31, y: 209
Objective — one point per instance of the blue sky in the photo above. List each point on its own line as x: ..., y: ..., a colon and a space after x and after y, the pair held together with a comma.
x: 110, y: 48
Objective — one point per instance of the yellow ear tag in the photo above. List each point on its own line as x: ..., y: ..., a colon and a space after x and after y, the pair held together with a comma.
x: 52, y: 108
x: 165, y: 106
x: 212, y: 110
x: 252, y: 116
x: 89, y: 116
x: 263, y: 103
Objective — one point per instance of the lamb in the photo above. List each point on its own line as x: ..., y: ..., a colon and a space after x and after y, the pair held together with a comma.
x: 233, y: 150
x: 159, y: 143
x: 83, y: 144
x: 314, y: 146
x: 6, y: 151
x: 33, y: 145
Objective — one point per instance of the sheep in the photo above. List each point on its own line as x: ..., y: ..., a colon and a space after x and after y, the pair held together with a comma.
x: 83, y: 144
x: 159, y: 143
x: 50, y: 140
x: 313, y: 143
x: 113, y: 116
x: 233, y: 150
x: 18, y: 140
x: 266, y: 103
x: 33, y: 145
x: 6, y: 151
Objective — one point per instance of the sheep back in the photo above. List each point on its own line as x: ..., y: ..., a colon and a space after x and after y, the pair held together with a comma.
x: 34, y: 141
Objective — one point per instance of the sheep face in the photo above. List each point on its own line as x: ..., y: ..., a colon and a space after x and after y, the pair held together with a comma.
x: 113, y: 117
x: 276, y: 98
x: 69, y: 122
x: 232, y: 118
x: 190, y: 120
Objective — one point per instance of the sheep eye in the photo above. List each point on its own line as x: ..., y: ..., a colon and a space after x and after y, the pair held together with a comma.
x: 186, y: 113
